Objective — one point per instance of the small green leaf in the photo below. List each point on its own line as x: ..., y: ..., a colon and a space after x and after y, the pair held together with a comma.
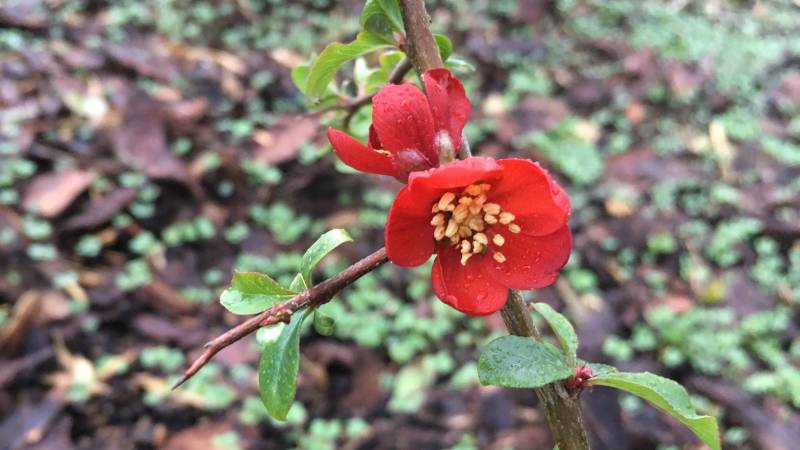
x: 324, y: 245
x: 277, y: 371
x: 521, y: 362
x: 666, y: 395
x: 300, y: 76
x: 456, y: 64
x: 445, y: 46
x: 323, y: 323
x: 298, y: 284
x: 252, y: 292
x: 336, y: 54
x: 562, y: 329
x: 382, y: 17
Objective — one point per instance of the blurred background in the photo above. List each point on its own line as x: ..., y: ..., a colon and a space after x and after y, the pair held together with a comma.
x: 150, y: 147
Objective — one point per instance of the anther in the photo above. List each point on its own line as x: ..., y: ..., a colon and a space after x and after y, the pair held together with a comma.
x: 438, y: 233
x: 464, y: 258
x: 466, y: 247
x: 474, y: 190
x: 480, y: 237
x: 490, y: 219
x: 438, y: 219
x: 491, y: 208
x: 506, y: 217
x: 477, y: 247
x: 514, y: 228
x: 445, y: 201
x: 498, y: 240
x: 476, y: 224
x: 460, y: 213
x: 452, y: 228
x: 499, y: 257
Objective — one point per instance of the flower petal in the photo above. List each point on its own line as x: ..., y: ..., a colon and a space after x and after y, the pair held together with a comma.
x: 409, y: 234
x: 402, y: 120
x: 374, y: 142
x: 449, y: 104
x: 528, y: 191
x: 359, y: 156
x: 467, y: 288
x: 457, y: 174
x: 531, y: 262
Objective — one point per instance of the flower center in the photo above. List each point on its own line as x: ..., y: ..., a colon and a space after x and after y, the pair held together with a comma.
x: 463, y: 219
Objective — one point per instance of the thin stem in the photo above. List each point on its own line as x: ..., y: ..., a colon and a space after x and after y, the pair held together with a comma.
x: 282, y: 312
x: 563, y: 411
x: 421, y: 45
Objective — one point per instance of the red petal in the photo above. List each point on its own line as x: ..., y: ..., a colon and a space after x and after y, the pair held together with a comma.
x: 374, y: 142
x: 402, y: 120
x: 359, y: 156
x: 532, y: 262
x: 409, y: 234
x: 449, y: 104
x: 457, y: 174
x: 467, y: 288
x: 527, y: 191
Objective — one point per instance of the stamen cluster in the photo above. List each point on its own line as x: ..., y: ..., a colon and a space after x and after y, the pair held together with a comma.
x: 464, y: 218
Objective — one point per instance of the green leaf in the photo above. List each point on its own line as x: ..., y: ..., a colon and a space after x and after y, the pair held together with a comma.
x: 521, y: 362
x: 323, y: 323
x: 298, y: 284
x: 252, y: 292
x: 666, y: 395
x: 300, y: 76
x: 277, y: 371
x: 445, y: 46
x: 562, y: 329
x: 336, y: 54
x: 456, y: 64
x: 324, y: 245
x: 382, y: 17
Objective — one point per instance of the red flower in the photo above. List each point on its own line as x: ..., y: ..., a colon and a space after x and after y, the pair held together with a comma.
x: 409, y: 130
x: 494, y: 225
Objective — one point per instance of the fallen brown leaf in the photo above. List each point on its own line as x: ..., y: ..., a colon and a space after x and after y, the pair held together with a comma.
x: 49, y: 194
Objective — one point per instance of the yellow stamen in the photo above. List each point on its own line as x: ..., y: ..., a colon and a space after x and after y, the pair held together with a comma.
x: 480, y: 237
x: 514, y: 228
x: 438, y: 233
x: 460, y: 213
x: 498, y: 240
x: 491, y: 208
x: 499, y: 257
x: 506, y: 217
x: 464, y: 258
x: 446, y: 199
x: 474, y: 190
x: 490, y: 219
x: 476, y: 224
x: 452, y: 228
x: 438, y: 219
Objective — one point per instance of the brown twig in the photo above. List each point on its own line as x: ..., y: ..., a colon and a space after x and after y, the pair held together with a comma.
x: 421, y: 45
x: 354, y: 104
x: 563, y: 411
x: 282, y: 312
